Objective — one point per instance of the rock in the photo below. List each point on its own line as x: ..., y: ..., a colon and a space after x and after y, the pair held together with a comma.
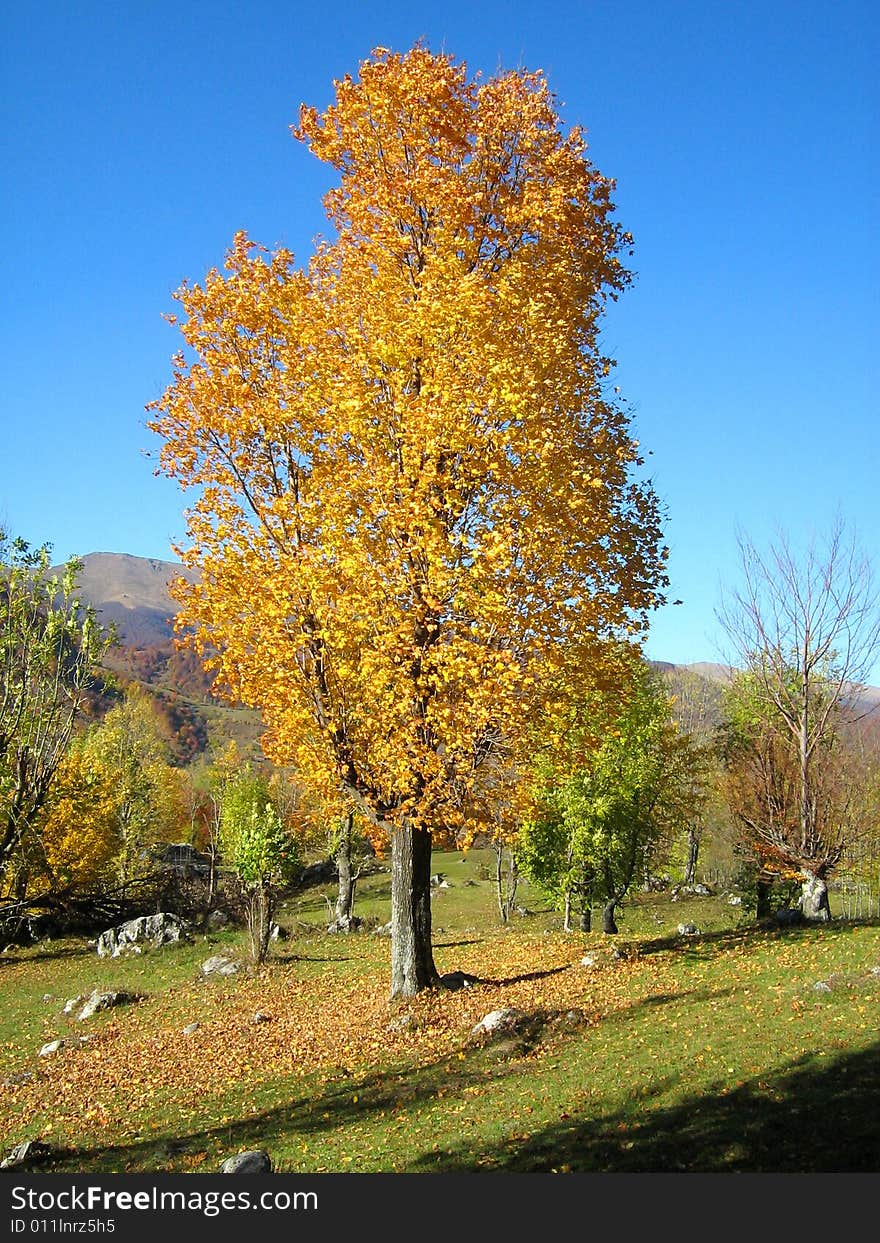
x: 438, y: 880
x: 254, y: 1162
x: 277, y: 933
x: 104, y: 1001
x: 32, y: 1150
x: 72, y: 1002
x: 215, y: 920
x: 688, y: 930
x: 788, y: 915
x: 589, y: 961
x: 318, y: 873
x: 455, y: 980
x: 162, y: 929
x: 46, y: 997
x: 499, y: 1021
x: 821, y: 986
x: 521, y: 911
x: 219, y: 964
x: 875, y: 971
x: 190, y: 1029
x: 734, y: 900
x: 261, y: 1017
x: 400, y: 1024
x: 384, y: 930
x: 54, y: 1046
x: 345, y: 924
x: 19, y: 1077
x: 702, y: 891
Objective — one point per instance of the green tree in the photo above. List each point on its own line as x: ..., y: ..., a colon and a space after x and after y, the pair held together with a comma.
x: 50, y: 647
x: 259, y: 849
x: 599, y: 829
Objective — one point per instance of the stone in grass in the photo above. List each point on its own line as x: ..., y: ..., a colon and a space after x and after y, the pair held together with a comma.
x: 821, y: 986
x: 499, y: 1021
x: 219, y: 964
x: 104, y: 1001
x: 261, y: 1017
x: 72, y: 1002
x: 190, y: 1029
x: 589, y: 961
x: 54, y: 1046
x: 31, y: 1151
x: 688, y: 930
x: 256, y: 1161
x: 454, y: 980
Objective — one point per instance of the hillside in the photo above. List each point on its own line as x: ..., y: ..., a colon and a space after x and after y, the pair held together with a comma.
x: 132, y: 592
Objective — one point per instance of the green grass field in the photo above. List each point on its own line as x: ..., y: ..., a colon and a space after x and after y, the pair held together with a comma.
x: 711, y: 1053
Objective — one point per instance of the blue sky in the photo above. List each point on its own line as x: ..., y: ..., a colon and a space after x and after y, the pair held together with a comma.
x: 137, y: 138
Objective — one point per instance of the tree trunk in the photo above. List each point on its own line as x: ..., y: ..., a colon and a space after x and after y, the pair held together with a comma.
x: 586, y: 919
x: 259, y: 916
x: 762, y: 896
x: 412, y: 959
x: 566, y: 914
x: 347, y: 879
x: 814, y: 902
x: 693, y: 841
x: 609, y: 924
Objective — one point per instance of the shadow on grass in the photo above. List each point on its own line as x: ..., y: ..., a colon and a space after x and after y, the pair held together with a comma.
x: 807, y: 1118
x: 810, y: 1117
x: 726, y: 938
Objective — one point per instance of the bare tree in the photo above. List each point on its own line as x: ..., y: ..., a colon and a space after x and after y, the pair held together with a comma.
x: 805, y: 630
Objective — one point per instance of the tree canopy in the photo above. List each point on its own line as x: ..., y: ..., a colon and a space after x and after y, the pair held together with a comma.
x: 419, y: 521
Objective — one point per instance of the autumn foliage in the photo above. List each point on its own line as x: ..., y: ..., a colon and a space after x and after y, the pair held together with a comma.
x: 417, y: 520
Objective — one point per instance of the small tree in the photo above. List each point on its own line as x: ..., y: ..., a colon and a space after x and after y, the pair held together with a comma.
x: 805, y: 631
x: 600, y: 828
x: 259, y: 850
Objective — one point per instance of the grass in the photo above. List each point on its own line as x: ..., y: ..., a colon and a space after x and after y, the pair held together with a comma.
x: 713, y: 1053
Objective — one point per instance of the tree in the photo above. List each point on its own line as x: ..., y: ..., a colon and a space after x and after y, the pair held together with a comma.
x: 418, y: 519
x: 600, y: 828
x: 50, y: 646
x: 259, y: 849
x: 147, y: 803
x: 805, y: 631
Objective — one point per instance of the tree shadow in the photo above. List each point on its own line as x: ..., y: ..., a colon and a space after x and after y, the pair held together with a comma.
x: 806, y: 1118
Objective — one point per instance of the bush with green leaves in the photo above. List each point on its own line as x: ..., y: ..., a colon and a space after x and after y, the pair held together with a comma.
x: 259, y: 849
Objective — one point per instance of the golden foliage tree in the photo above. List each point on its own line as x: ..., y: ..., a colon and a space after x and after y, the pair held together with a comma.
x: 417, y: 519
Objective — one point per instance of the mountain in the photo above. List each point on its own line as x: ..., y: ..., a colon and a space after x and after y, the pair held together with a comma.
x: 133, y: 593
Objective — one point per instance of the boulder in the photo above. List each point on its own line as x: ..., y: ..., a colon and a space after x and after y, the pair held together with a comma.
x: 30, y: 1152
x: 219, y: 964
x: 345, y: 923
x: 72, y: 1003
x: 253, y: 1162
x: 215, y: 920
x: 154, y: 930
x: 455, y: 980
x: 104, y: 1001
x: 499, y: 1021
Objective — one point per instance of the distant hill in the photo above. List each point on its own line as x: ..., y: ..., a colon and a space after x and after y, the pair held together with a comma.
x: 133, y: 593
